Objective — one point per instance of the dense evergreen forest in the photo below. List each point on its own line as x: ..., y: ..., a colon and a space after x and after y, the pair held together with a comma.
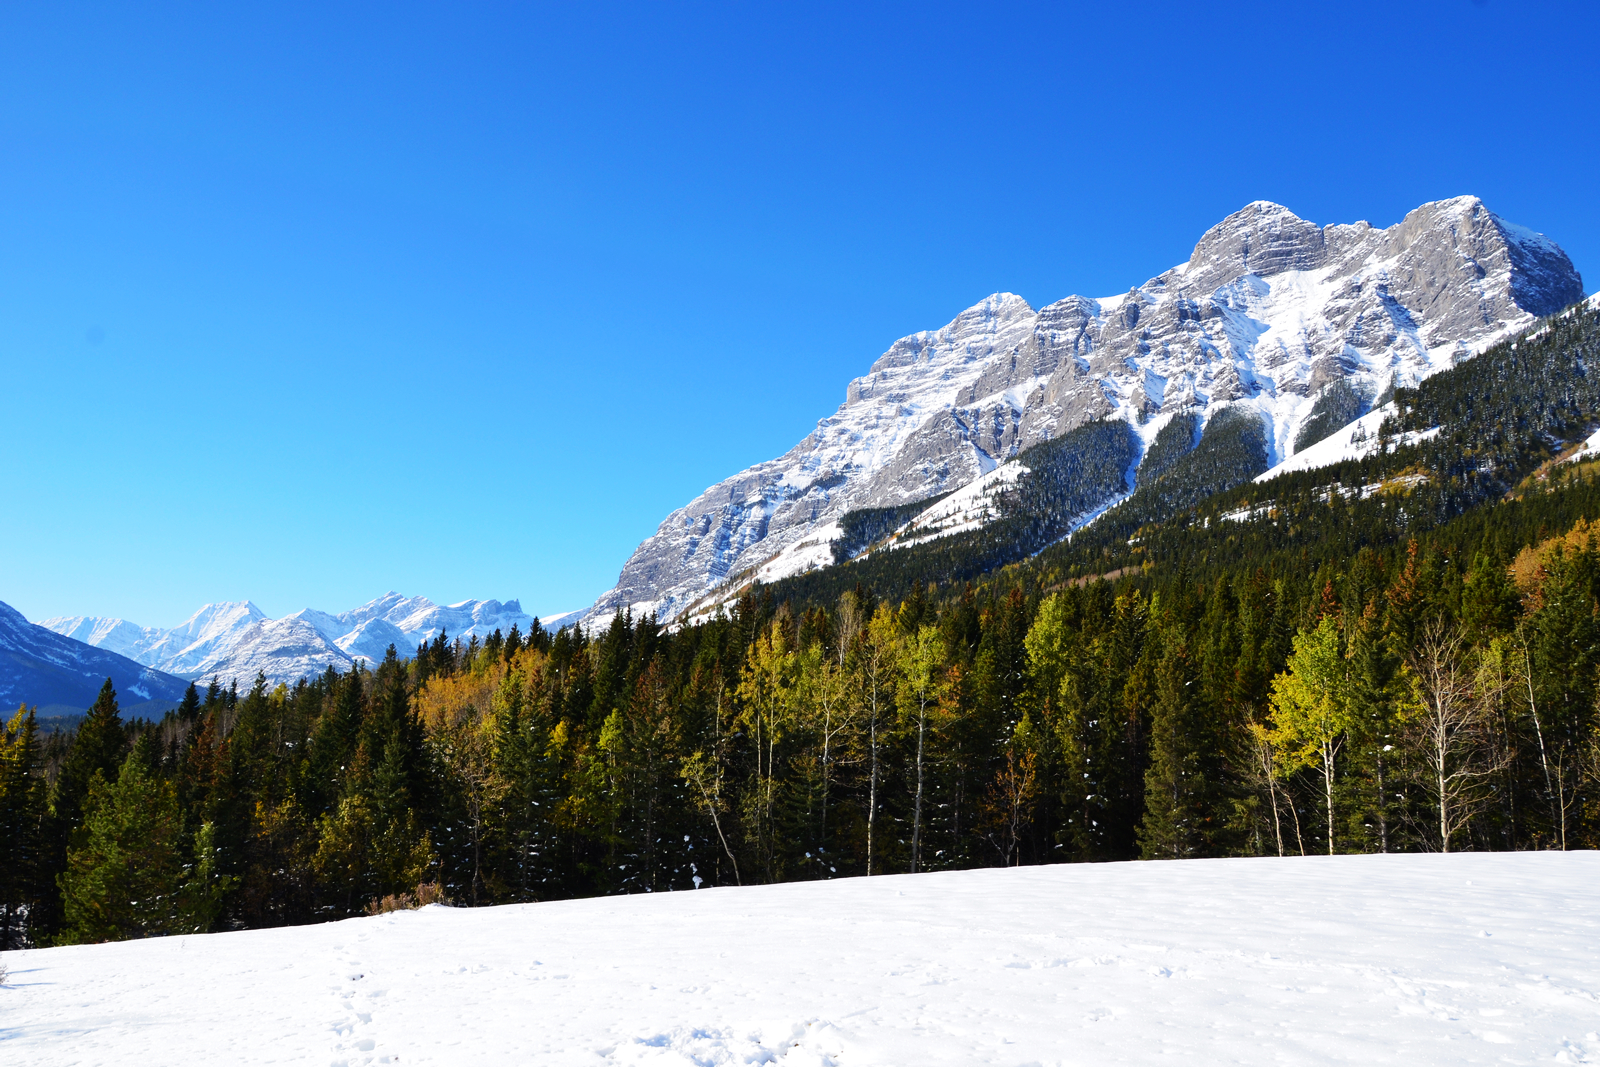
x: 1399, y: 653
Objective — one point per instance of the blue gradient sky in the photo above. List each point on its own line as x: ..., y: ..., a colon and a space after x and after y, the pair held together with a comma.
x: 309, y: 303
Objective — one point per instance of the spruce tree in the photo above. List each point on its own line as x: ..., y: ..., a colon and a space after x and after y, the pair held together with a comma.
x: 1175, y: 784
x: 189, y: 706
x: 126, y: 873
x: 22, y: 811
x: 99, y: 745
x: 96, y: 747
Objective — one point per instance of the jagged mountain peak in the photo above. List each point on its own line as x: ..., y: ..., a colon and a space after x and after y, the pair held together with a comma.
x: 1270, y: 311
x: 951, y: 343
x: 1261, y: 238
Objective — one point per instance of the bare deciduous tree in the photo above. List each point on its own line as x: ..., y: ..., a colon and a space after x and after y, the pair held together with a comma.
x: 1008, y: 802
x: 1265, y: 773
x: 1449, y: 726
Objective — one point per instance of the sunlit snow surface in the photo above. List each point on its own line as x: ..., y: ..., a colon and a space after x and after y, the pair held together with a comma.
x: 1420, y: 959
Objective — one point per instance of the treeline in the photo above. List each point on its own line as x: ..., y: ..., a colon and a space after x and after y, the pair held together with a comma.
x: 1399, y: 652
x: 1436, y: 694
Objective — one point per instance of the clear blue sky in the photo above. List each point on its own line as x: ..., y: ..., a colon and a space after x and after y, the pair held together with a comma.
x: 309, y: 302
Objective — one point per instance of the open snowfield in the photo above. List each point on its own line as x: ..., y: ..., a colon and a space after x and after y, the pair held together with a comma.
x: 1474, y: 958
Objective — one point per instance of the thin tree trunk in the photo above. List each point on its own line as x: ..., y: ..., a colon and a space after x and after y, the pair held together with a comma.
x: 1327, y: 785
x: 1383, y: 810
x: 1299, y: 839
x: 1277, y: 826
x: 1444, y: 822
x: 916, y: 808
x: 715, y: 821
x: 872, y: 778
x: 477, y: 850
x: 1557, y: 807
x: 827, y: 736
x: 1264, y: 758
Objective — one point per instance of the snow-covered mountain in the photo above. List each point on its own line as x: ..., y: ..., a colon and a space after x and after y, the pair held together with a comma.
x: 1269, y: 314
x: 234, y: 640
x: 44, y: 669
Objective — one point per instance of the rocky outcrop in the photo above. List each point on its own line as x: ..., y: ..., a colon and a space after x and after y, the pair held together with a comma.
x: 1268, y: 312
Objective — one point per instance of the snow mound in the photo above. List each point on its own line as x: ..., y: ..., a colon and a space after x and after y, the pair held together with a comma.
x: 1416, y: 959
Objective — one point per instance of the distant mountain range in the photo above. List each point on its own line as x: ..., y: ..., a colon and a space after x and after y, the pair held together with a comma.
x: 234, y: 640
x: 1288, y: 329
x: 61, y: 676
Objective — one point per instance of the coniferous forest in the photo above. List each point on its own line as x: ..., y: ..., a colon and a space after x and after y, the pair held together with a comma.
x: 1399, y: 653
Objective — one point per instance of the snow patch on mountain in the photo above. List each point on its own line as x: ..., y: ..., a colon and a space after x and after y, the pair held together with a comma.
x: 1589, y: 451
x: 968, y: 508
x: 802, y: 556
x: 1359, y: 438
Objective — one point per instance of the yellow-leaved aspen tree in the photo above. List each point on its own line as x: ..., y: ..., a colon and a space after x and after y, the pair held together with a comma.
x: 1310, y: 713
x: 1266, y: 769
x: 876, y: 667
x: 766, y: 693
x: 921, y: 654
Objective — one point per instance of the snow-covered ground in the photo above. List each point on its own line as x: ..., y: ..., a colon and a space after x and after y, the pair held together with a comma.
x: 1420, y: 959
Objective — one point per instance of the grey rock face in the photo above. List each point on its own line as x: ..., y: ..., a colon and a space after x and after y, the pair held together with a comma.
x: 1269, y: 311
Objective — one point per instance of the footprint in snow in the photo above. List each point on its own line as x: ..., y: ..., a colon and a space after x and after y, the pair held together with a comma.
x: 354, y: 1045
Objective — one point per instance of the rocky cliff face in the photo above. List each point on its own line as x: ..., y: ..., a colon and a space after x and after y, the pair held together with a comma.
x: 1269, y: 312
